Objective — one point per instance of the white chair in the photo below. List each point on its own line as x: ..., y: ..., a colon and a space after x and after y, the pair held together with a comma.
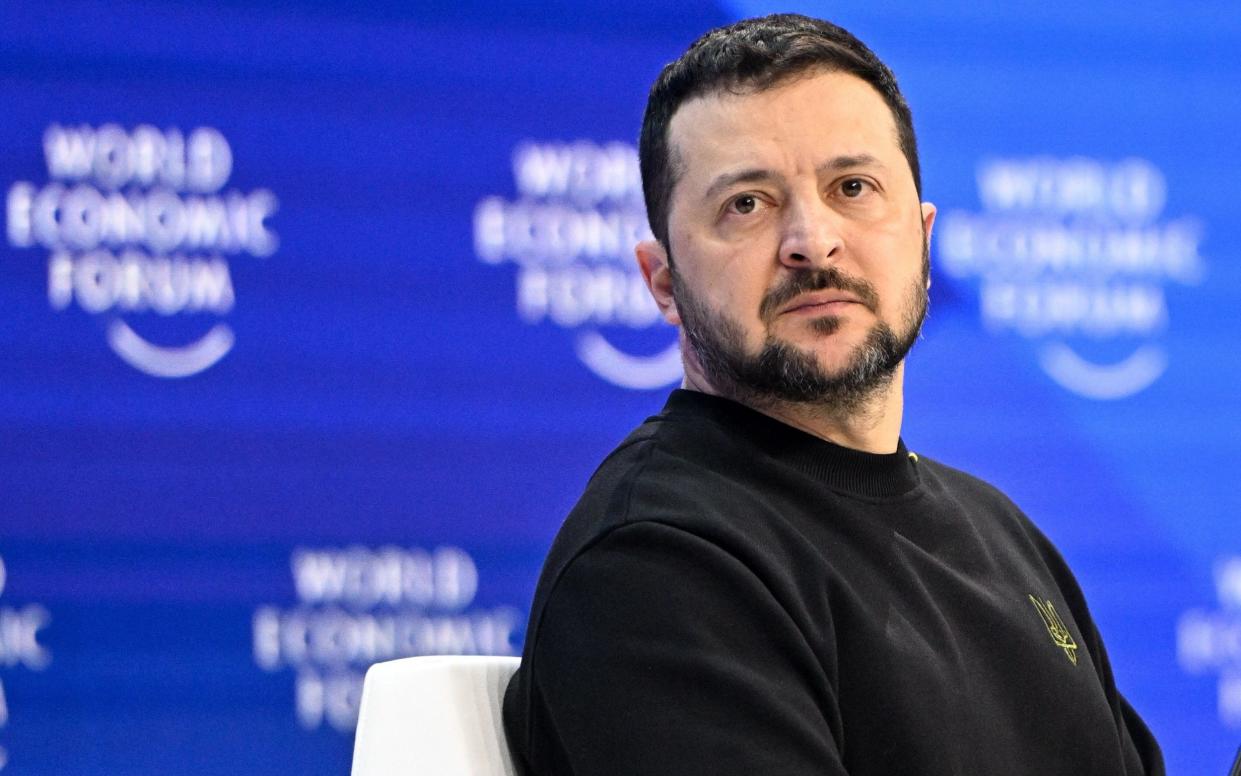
x: 434, y: 716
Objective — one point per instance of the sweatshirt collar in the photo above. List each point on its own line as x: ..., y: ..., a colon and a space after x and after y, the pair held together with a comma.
x: 875, y: 475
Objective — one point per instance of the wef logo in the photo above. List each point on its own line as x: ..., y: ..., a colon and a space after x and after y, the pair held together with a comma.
x: 139, y: 231
x: 571, y: 233
x: 1076, y: 256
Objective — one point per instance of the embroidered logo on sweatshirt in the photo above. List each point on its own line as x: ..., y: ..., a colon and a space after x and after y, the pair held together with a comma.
x: 1056, y: 627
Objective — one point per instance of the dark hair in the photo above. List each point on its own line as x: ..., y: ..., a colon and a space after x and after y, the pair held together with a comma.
x: 755, y: 54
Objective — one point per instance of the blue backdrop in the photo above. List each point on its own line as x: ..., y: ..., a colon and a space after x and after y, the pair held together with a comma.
x: 315, y: 318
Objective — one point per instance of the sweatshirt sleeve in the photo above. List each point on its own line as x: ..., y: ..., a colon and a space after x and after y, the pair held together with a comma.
x: 660, y: 653
x: 1139, y: 749
x: 1135, y: 737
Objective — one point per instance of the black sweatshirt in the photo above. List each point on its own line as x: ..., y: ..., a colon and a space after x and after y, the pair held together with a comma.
x: 734, y: 596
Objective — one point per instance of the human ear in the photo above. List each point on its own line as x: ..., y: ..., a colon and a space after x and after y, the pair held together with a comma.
x: 928, y: 219
x: 657, y: 273
x: 928, y: 223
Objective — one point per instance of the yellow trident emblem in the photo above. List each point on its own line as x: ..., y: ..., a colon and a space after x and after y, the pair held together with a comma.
x: 1056, y: 627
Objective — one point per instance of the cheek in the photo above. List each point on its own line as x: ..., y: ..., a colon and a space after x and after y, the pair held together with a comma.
x: 740, y: 288
x: 896, y: 271
x: 726, y: 278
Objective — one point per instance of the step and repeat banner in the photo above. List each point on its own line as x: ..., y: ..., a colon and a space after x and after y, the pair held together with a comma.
x: 315, y: 318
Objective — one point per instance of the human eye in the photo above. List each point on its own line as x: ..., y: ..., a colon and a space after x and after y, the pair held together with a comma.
x: 854, y: 188
x: 744, y: 204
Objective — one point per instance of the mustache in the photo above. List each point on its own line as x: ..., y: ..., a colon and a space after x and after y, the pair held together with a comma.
x: 809, y: 280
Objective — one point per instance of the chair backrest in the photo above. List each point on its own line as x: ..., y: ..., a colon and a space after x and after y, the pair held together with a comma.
x: 438, y: 716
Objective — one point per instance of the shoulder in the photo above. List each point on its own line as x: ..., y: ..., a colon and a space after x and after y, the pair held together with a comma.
x: 668, y: 471
x: 984, y: 505
x: 942, y: 479
x: 996, y: 516
x: 678, y: 493
x: 968, y: 493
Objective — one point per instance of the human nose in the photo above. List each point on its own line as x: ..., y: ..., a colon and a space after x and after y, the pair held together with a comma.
x: 811, y: 236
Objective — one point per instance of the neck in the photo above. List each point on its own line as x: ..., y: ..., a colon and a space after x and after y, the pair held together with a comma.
x: 872, y: 425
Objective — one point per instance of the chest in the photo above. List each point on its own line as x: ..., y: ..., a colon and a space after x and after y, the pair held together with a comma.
x: 956, y: 651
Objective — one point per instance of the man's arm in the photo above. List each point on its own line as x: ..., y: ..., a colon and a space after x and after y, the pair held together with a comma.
x: 1138, y: 745
x: 1135, y: 736
x: 660, y: 653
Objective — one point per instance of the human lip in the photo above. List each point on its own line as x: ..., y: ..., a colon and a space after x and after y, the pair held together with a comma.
x: 820, y: 302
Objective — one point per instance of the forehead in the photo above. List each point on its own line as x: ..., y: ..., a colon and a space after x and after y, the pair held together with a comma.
x: 798, y: 122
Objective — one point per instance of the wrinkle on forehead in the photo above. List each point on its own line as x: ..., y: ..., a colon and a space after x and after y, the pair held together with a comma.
x: 725, y: 94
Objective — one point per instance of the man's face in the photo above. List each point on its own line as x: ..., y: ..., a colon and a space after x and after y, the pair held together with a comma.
x: 797, y: 240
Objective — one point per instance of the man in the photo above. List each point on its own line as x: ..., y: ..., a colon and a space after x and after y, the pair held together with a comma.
x: 762, y: 579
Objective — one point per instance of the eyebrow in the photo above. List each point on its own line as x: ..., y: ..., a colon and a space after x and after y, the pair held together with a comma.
x: 759, y: 175
x: 838, y: 163
x: 730, y: 179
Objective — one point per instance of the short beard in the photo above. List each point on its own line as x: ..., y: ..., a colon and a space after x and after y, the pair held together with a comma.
x: 783, y: 373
